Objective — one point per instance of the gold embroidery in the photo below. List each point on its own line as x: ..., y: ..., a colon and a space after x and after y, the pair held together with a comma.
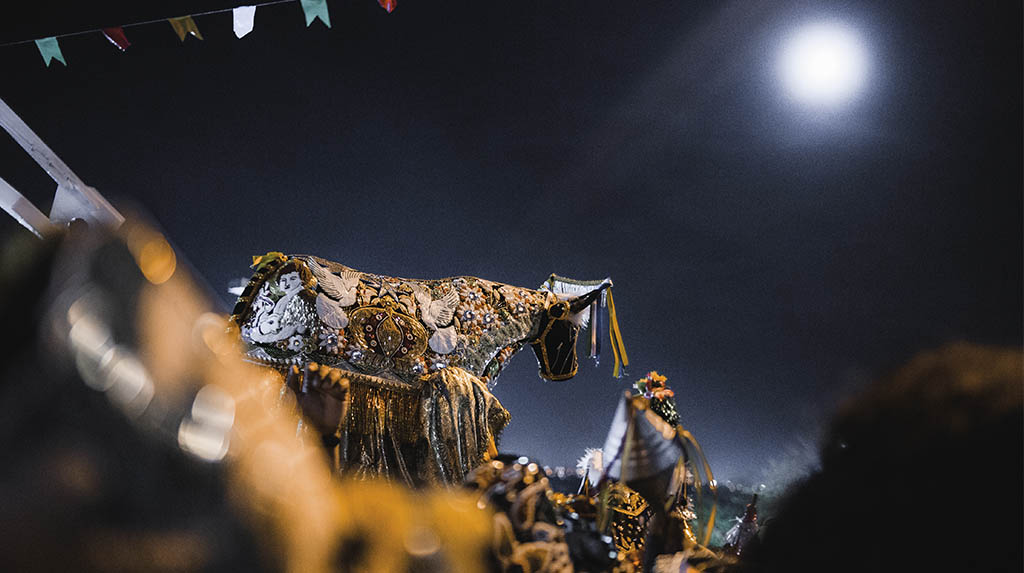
x: 393, y: 337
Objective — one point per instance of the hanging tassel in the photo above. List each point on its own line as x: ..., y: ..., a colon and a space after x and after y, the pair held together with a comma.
x: 615, y: 353
x: 595, y: 348
x: 618, y: 348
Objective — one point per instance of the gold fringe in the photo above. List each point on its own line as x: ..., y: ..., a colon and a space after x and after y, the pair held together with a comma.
x: 379, y: 404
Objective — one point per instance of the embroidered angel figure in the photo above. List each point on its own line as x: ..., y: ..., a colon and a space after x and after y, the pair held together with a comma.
x: 271, y: 323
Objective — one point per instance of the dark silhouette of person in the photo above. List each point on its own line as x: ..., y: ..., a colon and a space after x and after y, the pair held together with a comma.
x: 922, y: 472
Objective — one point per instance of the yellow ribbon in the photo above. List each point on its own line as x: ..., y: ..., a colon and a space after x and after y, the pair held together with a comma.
x: 618, y: 348
x: 687, y: 437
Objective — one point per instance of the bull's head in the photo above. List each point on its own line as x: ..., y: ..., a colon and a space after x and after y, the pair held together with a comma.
x: 555, y: 345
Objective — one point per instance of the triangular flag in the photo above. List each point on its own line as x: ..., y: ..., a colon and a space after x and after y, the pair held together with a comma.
x: 314, y: 9
x: 388, y: 5
x: 244, y: 17
x: 117, y: 37
x: 185, y: 25
x: 50, y: 50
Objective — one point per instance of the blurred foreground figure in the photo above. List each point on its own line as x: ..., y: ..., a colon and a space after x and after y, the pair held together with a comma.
x: 920, y: 473
x: 134, y: 438
x: 535, y: 531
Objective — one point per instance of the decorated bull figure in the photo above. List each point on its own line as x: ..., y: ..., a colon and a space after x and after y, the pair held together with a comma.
x: 420, y: 355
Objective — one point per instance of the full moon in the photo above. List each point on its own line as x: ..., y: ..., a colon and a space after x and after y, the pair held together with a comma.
x: 823, y: 65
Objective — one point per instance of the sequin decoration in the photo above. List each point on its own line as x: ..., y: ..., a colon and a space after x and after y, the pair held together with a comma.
x: 419, y: 353
x: 391, y: 336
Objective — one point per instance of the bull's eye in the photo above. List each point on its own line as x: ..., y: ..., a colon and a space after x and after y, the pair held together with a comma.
x: 558, y: 310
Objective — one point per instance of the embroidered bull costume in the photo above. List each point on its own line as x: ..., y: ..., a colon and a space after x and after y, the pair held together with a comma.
x: 419, y: 354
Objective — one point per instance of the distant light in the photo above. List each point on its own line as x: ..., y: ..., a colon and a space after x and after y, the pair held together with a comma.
x: 237, y: 286
x: 823, y: 64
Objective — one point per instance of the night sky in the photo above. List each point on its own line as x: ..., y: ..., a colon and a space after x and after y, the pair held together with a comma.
x: 770, y: 259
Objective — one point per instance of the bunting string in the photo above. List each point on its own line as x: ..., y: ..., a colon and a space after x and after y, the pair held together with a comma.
x: 242, y: 16
x: 147, y: 22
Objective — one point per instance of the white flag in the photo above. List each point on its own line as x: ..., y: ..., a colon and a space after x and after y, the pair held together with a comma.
x: 244, y: 16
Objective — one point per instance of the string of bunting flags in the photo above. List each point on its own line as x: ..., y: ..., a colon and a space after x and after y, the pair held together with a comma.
x: 243, y: 21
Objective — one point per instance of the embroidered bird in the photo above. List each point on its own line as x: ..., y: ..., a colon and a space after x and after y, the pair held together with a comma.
x: 337, y: 293
x: 436, y: 312
x: 340, y: 289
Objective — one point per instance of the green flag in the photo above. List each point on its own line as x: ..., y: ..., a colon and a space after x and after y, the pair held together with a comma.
x: 50, y: 50
x: 316, y: 9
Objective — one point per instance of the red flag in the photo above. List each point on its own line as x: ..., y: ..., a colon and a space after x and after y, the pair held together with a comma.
x: 388, y: 5
x: 117, y: 37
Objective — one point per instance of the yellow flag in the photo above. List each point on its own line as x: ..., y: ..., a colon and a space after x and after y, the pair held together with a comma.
x: 185, y: 25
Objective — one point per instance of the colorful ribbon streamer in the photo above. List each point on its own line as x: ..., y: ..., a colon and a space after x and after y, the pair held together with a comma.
x: 314, y: 9
x: 618, y: 348
x: 50, y: 50
x: 185, y: 25
x: 595, y: 326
